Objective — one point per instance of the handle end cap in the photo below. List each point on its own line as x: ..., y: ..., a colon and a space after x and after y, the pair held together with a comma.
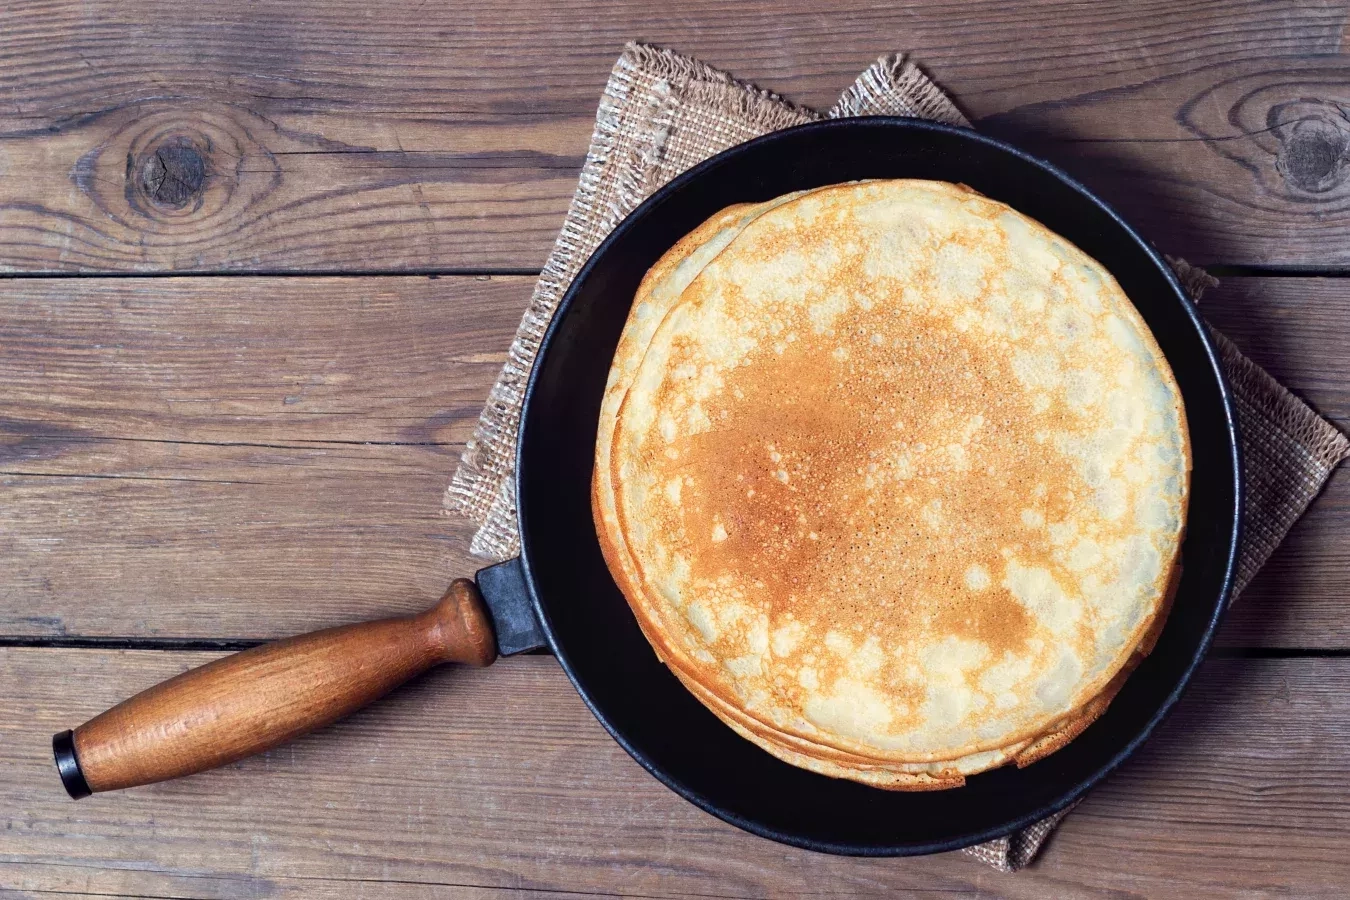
x: 68, y: 764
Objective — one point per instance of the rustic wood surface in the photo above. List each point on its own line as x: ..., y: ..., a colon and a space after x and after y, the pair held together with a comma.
x: 471, y: 780
x: 319, y: 135
x: 359, y: 196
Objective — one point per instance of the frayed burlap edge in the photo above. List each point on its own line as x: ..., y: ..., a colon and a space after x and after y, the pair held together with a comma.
x: 895, y: 86
x: 1017, y: 850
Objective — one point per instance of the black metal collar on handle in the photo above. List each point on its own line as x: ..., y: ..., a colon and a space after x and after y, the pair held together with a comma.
x: 508, y: 600
x: 68, y: 765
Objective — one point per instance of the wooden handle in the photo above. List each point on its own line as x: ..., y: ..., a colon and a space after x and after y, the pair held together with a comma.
x: 260, y: 698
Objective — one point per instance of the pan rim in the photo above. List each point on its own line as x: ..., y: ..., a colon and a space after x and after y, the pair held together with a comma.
x: 1234, y: 465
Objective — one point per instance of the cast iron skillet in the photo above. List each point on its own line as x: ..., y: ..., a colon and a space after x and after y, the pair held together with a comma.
x: 591, y: 629
x: 559, y: 593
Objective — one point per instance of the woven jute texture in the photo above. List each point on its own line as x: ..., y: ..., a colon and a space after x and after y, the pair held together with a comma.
x: 662, y: 113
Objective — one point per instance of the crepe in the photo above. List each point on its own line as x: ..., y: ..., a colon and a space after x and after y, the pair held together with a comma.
x: 893, y: 478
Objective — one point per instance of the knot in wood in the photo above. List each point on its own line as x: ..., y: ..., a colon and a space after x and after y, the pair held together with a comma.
x: 173, y: 174
x: 1314, y: 151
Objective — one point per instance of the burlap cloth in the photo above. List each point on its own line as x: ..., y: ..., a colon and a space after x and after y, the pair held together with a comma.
x: 662, y: 113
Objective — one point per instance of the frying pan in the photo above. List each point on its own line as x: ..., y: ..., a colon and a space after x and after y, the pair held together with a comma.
x: 558, y: 593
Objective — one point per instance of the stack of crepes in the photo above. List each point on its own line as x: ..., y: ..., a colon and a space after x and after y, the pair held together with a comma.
x: 893, y: 478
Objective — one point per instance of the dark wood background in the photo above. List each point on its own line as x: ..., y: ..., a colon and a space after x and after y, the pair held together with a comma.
x: 259, y: 264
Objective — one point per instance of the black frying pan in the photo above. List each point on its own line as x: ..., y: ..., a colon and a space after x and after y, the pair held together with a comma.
x: 560, y: 593
x: 589, y: 624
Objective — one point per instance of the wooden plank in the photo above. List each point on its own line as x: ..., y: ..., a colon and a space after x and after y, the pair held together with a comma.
x: 469, y: 781
x: 65, y: 880
x: 316, y: 136
x: 182, y: 460
x: 182, y: 540
x: 236, y: 458
x: 290, y: 360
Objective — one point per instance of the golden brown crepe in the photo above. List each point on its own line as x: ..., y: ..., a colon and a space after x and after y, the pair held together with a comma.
x: 894, y: 479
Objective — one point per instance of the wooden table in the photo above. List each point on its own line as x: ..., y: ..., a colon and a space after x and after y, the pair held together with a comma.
x: 262, y: 262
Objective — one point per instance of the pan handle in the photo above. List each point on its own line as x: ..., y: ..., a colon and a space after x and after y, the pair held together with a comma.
x: 255, y: 700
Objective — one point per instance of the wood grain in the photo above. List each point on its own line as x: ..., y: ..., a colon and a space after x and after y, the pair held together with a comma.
x: 471, y: 780
x: 318, y: 136
x: 181, y: 460
x: 396, y: 361
x: 182, y: 540
x: 246, y: 458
